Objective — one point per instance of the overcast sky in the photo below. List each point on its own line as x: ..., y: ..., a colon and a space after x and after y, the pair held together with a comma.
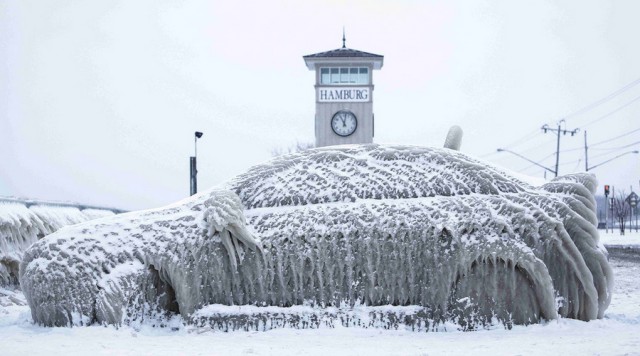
x: 99, y: 99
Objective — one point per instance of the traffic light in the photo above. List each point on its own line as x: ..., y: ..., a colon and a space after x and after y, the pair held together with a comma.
x: 606, y: 190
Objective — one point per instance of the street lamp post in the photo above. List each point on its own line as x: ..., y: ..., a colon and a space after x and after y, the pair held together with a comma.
x: 193, y: 170
x: 526, y: 159
x: 609, y: 160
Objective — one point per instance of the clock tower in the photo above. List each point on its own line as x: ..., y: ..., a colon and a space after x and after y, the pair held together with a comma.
x: 344, y: 95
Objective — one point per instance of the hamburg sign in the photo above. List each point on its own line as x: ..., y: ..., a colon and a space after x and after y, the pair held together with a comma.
x: 344, y: 94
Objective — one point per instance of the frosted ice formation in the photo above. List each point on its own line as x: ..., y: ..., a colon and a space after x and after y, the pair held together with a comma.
x: 415, y: 236
x: 454, y: 138
x: 21, y: 226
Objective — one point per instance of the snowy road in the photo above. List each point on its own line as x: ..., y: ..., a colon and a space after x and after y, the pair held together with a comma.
x: 617, y: 333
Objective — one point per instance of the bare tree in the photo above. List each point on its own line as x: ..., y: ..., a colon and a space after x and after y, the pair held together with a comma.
x: 621, y: 210
x: 298, y: 147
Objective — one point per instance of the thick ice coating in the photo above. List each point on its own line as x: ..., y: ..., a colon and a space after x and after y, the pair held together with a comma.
x: 348, y: 226
x: 21, y: 226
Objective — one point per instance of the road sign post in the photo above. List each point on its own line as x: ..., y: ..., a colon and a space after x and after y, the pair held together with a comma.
x: 606, y: 210
x: 632, y: 200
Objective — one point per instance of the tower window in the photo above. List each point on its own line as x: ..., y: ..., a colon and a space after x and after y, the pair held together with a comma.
x: 325, y: 76
x: 344, y: 75
x: 335, y: 76
x: 353, y: 75
x: 363, y: 77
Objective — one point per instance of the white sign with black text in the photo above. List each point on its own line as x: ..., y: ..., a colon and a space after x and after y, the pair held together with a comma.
x: 343, y: 94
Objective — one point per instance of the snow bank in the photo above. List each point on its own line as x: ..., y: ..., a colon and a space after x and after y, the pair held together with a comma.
x: 614, y: 238
x: 21, y: 226
x: 345, y: 226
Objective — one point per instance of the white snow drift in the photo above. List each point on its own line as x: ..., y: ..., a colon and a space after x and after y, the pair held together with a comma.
x: 417, y: 235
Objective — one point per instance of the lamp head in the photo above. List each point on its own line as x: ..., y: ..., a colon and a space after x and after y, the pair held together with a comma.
x: 198, y: 134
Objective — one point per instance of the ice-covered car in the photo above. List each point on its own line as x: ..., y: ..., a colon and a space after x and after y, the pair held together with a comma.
x: 367, y: 235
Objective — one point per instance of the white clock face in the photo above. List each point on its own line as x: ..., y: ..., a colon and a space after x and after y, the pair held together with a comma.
x: 344, y: 123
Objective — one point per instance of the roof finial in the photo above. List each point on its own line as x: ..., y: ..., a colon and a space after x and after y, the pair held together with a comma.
x: 343, y: 38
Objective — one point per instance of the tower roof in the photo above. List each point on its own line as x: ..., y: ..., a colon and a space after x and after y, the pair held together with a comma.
x: 344, y: 55
x: 343, y: 52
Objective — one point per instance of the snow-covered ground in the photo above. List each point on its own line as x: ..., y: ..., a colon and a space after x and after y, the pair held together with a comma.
x: 617, y: 333
x: 614, y: 238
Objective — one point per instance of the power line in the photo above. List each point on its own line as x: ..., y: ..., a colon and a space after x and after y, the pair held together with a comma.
x: 602, y: 154
x: 603, y: 149
x: 572, y: 149
x: 571, y: 162
x: 559, y: 130
x: 546, y: 128
x: 612, y: 112
x: 543, y: 141
x: 615, y: 138
x: 603, y: 100
x: 530, y: 161
x: 517, y: 143
x: 528, y: 168
x: 526, y: 138
x: 586, y: 151
x: 523, y: 139
x: 538, y: 162
x: 617, y: 148
x: 611, y: 159
x: 529, y: 136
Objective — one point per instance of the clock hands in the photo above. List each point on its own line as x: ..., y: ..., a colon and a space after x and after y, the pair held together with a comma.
x: 348, y: 121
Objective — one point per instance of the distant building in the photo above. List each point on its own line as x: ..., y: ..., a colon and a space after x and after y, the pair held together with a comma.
x: 344, y: 95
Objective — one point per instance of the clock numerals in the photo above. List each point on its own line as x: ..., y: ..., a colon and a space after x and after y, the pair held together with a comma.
x: 344, y: 123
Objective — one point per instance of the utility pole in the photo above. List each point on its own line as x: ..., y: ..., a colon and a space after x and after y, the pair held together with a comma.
x: 613, y: 200
x: 193, y: 170
x: 546, y: 128
x: 629, y: 198
x: 586, y: 153
x: 632, y: 199
x: 586, y: 156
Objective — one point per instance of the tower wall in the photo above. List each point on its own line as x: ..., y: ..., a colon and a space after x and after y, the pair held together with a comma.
x: 324, y: 113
